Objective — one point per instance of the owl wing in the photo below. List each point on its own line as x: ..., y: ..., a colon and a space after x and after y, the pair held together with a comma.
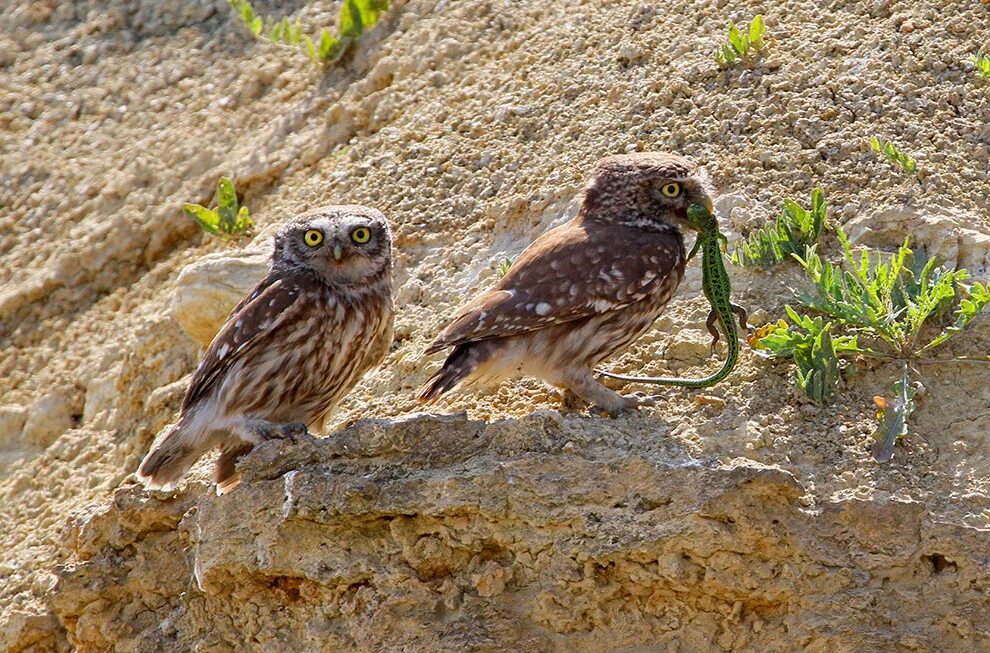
x: 258, y: 314
x: 569, y: 273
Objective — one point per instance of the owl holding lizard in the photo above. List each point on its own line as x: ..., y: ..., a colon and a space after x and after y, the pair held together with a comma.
x: 584, y: 290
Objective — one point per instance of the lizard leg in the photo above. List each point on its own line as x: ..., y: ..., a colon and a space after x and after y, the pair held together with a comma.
x: 710, y: 323
x: 742, y: 315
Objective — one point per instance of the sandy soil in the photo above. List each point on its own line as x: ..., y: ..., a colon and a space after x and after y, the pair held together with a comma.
x: 472, y: 125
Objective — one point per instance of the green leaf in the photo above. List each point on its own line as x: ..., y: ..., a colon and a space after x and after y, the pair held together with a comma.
x: 817, y: 372
x: 875, y: 144
x: 794, y: 229
x: 310, y: 48
x: 257, y: 25
x: 206, y: 219
x: 244, y: 221
x: 227, y: 208
x: 738, y: 40
x: 756, y: 28
x: 976, y: 297
x: 370, y: 10
x: 328, y: 45
x: 350, y: 24
x: 893, y: 418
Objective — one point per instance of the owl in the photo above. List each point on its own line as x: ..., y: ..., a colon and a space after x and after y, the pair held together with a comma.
x: 583, y: 291
x: 291, y: 349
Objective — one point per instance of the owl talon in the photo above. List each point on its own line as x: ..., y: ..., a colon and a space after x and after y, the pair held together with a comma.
x: 643, y: 399
x: 294, y: 431
x: 601, y: 411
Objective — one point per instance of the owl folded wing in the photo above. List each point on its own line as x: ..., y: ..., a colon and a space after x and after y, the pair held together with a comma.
x: 265, y: 308
x: 567, y: 274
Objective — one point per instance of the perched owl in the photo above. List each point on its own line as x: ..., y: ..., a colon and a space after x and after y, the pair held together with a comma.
x: 582, y: 291
x: 291, y: 350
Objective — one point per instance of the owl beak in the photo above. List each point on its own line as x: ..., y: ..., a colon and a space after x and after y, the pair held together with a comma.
x: 338, y: 251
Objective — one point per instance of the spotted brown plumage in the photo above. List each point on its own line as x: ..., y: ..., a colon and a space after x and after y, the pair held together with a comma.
x: 583, y: 291
x: 292, y: 348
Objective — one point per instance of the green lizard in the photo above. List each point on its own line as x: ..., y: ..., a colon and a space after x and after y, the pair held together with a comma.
x: 715, y: 282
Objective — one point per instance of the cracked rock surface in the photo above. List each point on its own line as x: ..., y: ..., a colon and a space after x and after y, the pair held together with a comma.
x: 450, y: 534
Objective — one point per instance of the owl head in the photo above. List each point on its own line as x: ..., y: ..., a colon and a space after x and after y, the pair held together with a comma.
x: 344, y: 245
x: 648, y: 190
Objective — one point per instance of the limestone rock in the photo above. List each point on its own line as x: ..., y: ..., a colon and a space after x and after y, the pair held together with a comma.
x: 952, y: 236
x: 447, y: 534
x: 208, y: 289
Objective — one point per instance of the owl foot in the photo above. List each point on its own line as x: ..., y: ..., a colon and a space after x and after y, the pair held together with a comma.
x: 259, y: 430
x: 629, y: 406
x: 581, y: 382
x: 293, y: 431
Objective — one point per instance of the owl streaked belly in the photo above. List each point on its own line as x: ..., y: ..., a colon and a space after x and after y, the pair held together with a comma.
x: 549, y: 353
x: 305, y: 377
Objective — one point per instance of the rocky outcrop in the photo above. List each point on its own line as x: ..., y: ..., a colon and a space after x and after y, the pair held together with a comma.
x: 539, y: 534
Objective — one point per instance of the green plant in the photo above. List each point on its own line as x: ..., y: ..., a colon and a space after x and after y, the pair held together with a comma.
x: 815, y: 351
x: 741, y: 45
x: 226, y: 221
x: 794, y: 229
x: 887, y: 299
x: 355, y: 16
x: 893, y: 154
x: 502, y: 267
x: 981, y: 60
x: 892, y: 418
x: 883, y: 300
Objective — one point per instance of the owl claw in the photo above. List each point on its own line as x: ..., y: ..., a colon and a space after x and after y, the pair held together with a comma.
x: 629, y: 408
x: 294, y: 431
x: 645, y: 399
x: 264, y: 430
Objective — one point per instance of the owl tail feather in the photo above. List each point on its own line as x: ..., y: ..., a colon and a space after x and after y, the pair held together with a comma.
x: 459, y: 365
x: 225, y: 474
x: 169, y: 459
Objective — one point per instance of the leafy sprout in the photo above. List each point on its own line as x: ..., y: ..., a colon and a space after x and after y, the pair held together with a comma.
x: 881, y: 301
x: 981, y: 60
x: 741, y: 44
x: 502, y: 267
x: 794, y: 229
x: 228, y: 220
x: 893, y: 155
x: 326, y: 47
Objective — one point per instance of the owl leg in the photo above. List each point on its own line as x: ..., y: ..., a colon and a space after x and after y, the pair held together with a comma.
x: 582, y: 383
x: 255, y: 431
x: 250, y: 431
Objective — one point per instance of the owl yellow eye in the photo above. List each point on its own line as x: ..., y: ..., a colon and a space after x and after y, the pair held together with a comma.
x: 671, y: 189
x: 361, y: 235
x: 313, y: 237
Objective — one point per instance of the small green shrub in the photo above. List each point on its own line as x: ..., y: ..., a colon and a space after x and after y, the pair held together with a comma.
x: 502, y: 267
x: 794, y: 229
x: 981, y: 60
x: 893, y: 154
x: 741, y: 45
x: 815, y: 351
x: 355, y: 17
x: 883, y: 301
x: 228, y: 220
